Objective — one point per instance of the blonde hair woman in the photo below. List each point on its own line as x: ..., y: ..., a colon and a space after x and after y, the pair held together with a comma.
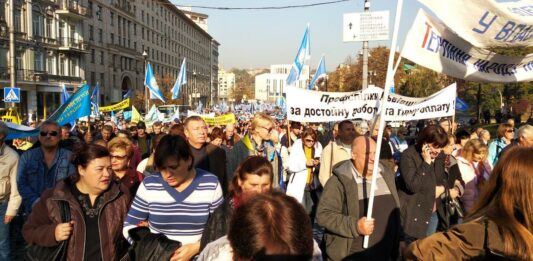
x: 475, y: 169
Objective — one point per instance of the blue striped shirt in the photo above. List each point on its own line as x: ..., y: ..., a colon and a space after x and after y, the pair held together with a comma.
x: 180, y: 216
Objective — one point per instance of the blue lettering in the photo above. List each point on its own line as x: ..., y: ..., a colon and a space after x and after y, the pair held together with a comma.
x: 433, y: 37
x: 483, y: 24
x: 504, y: 33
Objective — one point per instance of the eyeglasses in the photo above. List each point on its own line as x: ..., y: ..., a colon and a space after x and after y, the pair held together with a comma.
x: 51, y: 133
x: 268, y: 129
x: 309, y: 140
x: 509, y: 131
x: 119, y: 157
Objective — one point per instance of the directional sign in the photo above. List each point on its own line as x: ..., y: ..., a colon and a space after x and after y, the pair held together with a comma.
x: 368, y: 26
x: 11, y: 94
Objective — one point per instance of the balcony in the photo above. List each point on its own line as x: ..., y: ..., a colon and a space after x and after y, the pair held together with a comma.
x: 73, y: 9
x: 72, y: 44
x: 23, y: 75
x: 45, y: 41
x: 63, y: 78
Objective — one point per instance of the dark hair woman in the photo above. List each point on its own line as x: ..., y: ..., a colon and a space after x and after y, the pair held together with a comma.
x: 421, y: 182
x: 500, y: 226
x: 97, y: 208
x: 253, y: 176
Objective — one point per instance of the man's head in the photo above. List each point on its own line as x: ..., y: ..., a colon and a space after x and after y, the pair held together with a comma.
x: 296, y: 128
x: 445, y: 124
x: 525, y: 136
x: 141, y: 129
x: 65, y: 132
x: 3, y: 132
x: 156, y: 128
x: 346, y: 132
x: 511, y: 122
x: 107, y: 132
x: 229, y: 130
x: 363, y: 153
x: 195, y: 131
x: 49, y: 135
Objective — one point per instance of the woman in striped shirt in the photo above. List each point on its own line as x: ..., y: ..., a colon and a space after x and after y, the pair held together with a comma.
x: 178, y: 200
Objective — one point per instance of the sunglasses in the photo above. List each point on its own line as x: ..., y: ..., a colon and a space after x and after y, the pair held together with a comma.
x: 309, y: 140
x: 268, y: 129
x: 52, y: 133
x: 509, y: 131
x: 119, y: 157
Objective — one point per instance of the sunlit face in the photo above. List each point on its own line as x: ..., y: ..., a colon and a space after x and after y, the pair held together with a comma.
x: 65, y: 134
x: 106, y: 135
x: 434, y: 151
x: 217, y: 141
x: 526, y: 140
x: 509, y: 134
x: 119, y: 159
x: 230, y: 130
x: 347, y: 133
x: 157, y: 129
x: 360, y: 155
x: 175, y: 172
x: 196, y: 132
x: 449, y: 148
x: 255, y: 184
x: 263, y: 129
x: 308, y: 141
x: 97, y: 175
x: 478, y: 157
x: 485, y: 136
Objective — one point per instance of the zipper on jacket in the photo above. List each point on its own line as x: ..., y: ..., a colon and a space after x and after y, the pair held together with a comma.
x: 84, y: 225
x: 99, y: 216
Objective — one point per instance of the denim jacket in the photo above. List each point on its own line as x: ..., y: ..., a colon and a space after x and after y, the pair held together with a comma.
x: 495, y: 149
x: 33, y: 176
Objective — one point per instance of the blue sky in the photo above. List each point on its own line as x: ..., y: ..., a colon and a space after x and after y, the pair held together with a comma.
x: 259, y: 38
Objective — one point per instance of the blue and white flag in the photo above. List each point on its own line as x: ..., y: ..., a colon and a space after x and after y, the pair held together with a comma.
x: 200, y: 107
x: 77, y: 106
x: 64, y: 94
x: 151, y: 84
x: 180, y: 81
x: 114, y: 118
x: 95, y: 99
x: 304, y: 53
x: 320, y: 73
x: 127, y: 94
x: 460, y: 105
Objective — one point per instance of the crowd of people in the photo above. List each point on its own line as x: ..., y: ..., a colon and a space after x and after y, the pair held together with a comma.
x: 266, y: 189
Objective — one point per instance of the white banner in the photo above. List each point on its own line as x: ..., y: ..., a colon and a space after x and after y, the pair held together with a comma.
x: 337, y: 106
x: 487, y: 23
x: 440, y: 104
x: 431, y: 44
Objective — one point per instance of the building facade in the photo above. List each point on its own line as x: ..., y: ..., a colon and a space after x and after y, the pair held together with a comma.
x: 270, y: 86
x: 226, y: 83
x: 103, y: 41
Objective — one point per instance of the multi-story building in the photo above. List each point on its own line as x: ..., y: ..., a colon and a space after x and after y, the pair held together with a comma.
x: 122, y: 31
x: 226, y: 83
x: 103, y: 41
x: 198, y: 18
x: 50, y: 51
x: 270, y: 86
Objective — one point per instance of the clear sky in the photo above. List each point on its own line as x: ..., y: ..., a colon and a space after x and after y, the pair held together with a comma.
x: 259, y: 38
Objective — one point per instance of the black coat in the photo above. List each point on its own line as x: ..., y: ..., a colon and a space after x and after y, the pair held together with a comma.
x: 217, y: 225
x: 150, y: 246
x: 416, y: 189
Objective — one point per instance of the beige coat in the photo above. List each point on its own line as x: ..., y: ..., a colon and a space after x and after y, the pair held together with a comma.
x: 329, y: 159
x: 9, y: 160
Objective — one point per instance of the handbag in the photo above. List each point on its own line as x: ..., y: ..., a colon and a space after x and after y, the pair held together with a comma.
x: 55, y: 253
x: 455, y: 208
x: 150, y: 246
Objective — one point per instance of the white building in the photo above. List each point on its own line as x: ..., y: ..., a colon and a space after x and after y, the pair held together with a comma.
x: 226, y: 83
x: 198, y: 18
x: 269, y: 86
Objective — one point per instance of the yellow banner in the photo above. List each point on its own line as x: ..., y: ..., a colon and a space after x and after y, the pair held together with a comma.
x: 115, y: 107
x: 220, y: 120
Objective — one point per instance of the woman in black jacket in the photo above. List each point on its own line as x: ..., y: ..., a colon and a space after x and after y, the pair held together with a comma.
x: 421, y: 182
x: 254, y: 175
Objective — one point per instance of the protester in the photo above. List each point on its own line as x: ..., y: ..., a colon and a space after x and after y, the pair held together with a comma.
x: 67, y: 141
x: 446, y: 125
x: 230, y: 136
x: 525, y: 138
x: 484, y: 136
x: 337, y: 150
x: 303, y: 166
x: 253, y: 176
x: 147, y: 166
x: 287, y: 141
x: 398, y: 145
x: 106, y: 133
x: 178, y: 193
x: 256, y: 142
x: 342, y: 208
x: 420, y: 183
x: 505, y: 135
x: 41, y: 168
x: 216, y: 137
x: 206, y: 156
x: 267, y: 227
x: 121, y: 153
x: 97, y: 208
x: 10, y: 199
x: 500, y: 226
x: 142, y: 140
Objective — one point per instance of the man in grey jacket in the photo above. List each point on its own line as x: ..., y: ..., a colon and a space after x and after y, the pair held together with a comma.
x: 342, y: 208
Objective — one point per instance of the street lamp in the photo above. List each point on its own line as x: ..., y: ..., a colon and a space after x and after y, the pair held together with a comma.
x: 145, y: 96
x: 194, y: 86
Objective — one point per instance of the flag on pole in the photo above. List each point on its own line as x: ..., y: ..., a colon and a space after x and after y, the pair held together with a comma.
x: 460, y: 105
x: 127, y: 94
x: 181, y: 80
x: 304, y: 53
x: 78, y: 105
x: 64, y: 94
x: 320, y: 73
x: 114, y: 118
x: 151, y: 84
x: 135, y: 115
x: 95, y: 99
x: 200, y: 107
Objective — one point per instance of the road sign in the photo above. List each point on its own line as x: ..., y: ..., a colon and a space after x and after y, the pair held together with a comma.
x: 369, y: 26
x: 11, y: 94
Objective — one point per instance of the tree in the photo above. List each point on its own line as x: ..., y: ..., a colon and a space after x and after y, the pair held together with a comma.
x: 422, y: 82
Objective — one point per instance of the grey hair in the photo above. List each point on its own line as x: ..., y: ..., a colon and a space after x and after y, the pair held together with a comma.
x: 47, y: 122
x: 526, y: 130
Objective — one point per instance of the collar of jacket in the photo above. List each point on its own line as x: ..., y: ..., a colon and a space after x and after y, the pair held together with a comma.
x: 62, y: 191
x: 270, y: 150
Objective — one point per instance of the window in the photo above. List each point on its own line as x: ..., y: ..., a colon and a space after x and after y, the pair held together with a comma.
x: 37, y: 24
x: 142, y: 33
x: 38, y: 61
x: 48, y: 28
x: 112, y: 38
x: 102, y: 78
x: 134, y: 29
x: 90, y: 7
x: 92, y: 55
x: 62, y: 64
x: 112, y: 18
x: 74, y: 67
x: 101, y: 57
x: 50, y: 65
x: 99, y: 13
x: 100, y: 35
x: 93, y: 78
x: 91, y: 33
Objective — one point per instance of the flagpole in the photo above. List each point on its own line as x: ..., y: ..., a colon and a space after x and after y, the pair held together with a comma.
x: 145, y: 95
x: 388, y: 82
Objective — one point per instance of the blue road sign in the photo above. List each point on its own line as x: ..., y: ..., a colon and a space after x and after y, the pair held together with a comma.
x: 11, y: 94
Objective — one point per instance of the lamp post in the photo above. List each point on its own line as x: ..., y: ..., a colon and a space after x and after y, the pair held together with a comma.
x: 194, y: 87
x: 145, y: 95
